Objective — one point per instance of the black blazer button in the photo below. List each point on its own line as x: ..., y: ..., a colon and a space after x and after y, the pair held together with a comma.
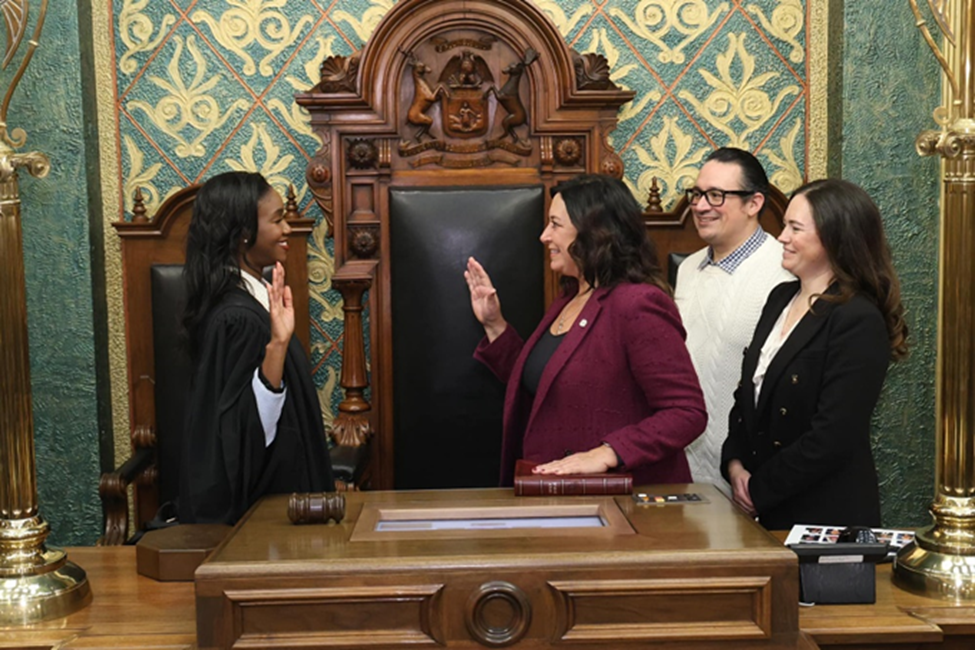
x: 795, y: 379
x: 783, y: 411
x: 776, y: 444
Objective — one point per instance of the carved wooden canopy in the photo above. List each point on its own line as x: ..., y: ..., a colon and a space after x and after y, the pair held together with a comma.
x: 445, y: 93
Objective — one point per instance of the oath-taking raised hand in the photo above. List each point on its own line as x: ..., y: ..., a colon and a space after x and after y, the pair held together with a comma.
x: 484, y: 299
x: 281, y: 306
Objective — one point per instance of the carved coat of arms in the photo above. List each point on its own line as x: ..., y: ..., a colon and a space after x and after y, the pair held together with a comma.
x: 463, y: 90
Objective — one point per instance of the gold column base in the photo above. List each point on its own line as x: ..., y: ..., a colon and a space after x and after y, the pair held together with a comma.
x: 36, y: 583
x: 931, y: 569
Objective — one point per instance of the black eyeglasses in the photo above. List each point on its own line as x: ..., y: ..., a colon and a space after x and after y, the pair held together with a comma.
x: 715, y: 198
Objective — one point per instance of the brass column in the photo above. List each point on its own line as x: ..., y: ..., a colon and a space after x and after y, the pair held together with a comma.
x: 942, y: 561
x: 36, y: 582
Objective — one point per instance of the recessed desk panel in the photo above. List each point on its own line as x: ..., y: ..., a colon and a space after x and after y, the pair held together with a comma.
x: 482, y: 568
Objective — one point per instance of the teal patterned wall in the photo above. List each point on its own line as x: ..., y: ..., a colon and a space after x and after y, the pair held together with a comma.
x: 57, y: 258
x: 204, y: 86
x: 891, y: 85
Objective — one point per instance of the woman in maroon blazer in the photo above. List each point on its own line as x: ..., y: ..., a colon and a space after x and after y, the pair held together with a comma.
x: 605, y: 382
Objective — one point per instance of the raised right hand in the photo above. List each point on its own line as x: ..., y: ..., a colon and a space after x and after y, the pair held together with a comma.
x: 281, y: 306
x: 484, y: 299
x: 282, y: 315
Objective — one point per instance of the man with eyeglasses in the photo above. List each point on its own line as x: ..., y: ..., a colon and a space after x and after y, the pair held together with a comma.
x: 722, y: 288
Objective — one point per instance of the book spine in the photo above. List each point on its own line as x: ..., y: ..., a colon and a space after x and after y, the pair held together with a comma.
x: 536, y: 486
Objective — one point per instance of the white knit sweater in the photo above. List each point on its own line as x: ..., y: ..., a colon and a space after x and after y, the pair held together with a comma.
x: 720, y: 311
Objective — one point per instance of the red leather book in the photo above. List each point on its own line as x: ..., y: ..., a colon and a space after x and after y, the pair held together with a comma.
x: 549, y: 485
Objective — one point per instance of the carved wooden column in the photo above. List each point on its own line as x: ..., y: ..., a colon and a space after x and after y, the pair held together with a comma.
x: 351, y: 427
x: 942, y: 562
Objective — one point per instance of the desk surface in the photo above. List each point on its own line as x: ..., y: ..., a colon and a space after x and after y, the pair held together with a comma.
x: 127, y: 610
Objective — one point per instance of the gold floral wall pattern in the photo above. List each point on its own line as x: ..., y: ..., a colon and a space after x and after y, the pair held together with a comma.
x: 206, y: 86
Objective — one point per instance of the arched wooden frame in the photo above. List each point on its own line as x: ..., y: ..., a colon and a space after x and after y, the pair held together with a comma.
x: 370, y: 110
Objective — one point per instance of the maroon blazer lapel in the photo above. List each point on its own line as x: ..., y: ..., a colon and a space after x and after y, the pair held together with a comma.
x: 573, y: 339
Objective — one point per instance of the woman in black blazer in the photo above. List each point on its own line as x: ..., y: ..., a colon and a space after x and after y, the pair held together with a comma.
x: 798, y: 447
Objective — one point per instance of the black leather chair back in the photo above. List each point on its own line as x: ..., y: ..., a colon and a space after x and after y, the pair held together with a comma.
x: 447, y: 406
x: 172, y: 374
x: 673, y: 261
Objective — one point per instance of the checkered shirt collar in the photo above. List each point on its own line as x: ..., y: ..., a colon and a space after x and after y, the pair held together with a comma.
x: 739, y: 255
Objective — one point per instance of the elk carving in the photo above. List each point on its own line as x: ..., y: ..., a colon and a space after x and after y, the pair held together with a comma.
x: 509, y: 97
x: 423, y: 98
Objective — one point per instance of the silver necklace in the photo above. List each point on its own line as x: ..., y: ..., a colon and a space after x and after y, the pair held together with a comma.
x: 565, y: 312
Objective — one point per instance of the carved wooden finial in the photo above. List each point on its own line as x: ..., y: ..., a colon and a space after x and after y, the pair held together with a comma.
x: 653, y: 200
x: 291, y: 206
x: 139, y: 207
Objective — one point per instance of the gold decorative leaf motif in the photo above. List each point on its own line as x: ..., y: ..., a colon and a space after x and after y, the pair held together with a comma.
x: 141, y: 178
x: 274, y: 167
x: 744, y: 100
x: 15, y: 18
x: 787, y: 177
x: 655, y: 19
x: 674, y: 173
x: 618, y: 72
x: 325, y: 396
x: 135, y: 32
x: 365, y: 26
x: 788, y: 19
x: 296, y: 117
x: 254, y: 21
x: 564, y: 24
x: 321, y: 266
x: 187, y: 106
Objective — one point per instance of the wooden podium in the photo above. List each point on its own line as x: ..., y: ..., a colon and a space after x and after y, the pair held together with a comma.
x: 687, y: 575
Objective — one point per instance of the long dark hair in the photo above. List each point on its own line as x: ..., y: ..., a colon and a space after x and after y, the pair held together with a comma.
x: 852, y: 232
x: 612, y: 245
x: 224, y: 220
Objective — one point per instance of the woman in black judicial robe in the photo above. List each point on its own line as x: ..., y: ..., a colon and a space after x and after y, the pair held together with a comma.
x: 253, y: 424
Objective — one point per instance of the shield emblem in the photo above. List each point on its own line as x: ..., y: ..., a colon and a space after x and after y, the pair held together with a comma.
x: 465, y: 113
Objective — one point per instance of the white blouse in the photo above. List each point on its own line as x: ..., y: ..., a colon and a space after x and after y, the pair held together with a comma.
x: 776, y: 339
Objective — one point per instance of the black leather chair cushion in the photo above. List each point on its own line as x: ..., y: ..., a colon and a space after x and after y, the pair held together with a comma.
x: 348, y: 463
x: 448, y: 406
x: 673, y: 261
x: 172, y: 373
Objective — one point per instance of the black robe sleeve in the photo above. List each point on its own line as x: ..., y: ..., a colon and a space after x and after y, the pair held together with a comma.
x: 225, y: 465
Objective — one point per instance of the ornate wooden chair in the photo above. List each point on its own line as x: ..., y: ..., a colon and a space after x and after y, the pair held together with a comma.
x: 674, y: 233
x: 441, y: 138
x: 153, y: 251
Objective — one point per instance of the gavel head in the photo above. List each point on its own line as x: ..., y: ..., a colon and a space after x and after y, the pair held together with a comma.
x: 316, y: 507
